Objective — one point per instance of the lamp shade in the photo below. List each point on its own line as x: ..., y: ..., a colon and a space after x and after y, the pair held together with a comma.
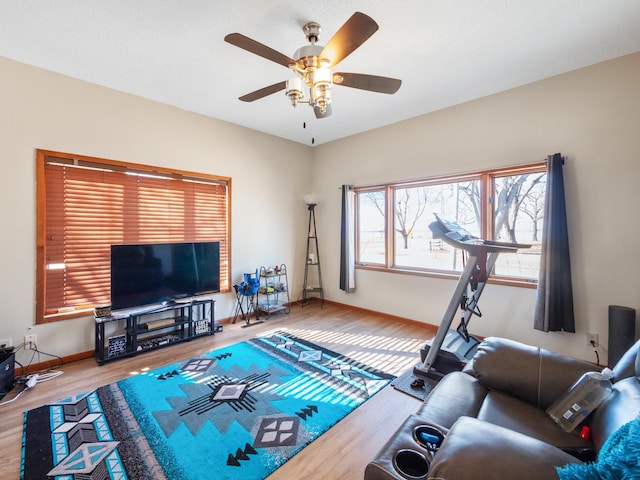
x: 294, y: 86
x: 322, y: 78
x: 311, y: 199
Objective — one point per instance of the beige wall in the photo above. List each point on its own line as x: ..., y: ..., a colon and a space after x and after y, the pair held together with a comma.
x: 40, y: 109
x: 590, y: 115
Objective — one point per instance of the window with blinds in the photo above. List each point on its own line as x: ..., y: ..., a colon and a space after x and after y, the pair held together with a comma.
x: 85, y: 205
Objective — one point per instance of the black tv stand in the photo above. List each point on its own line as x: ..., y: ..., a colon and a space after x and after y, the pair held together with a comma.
x: 135, y: 330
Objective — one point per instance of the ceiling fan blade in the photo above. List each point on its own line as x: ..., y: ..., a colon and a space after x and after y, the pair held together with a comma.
x: 351, y: 35
x: 328, y: 110
x: 263, y: 92
x: 259, y: 49
x: 372, y: 83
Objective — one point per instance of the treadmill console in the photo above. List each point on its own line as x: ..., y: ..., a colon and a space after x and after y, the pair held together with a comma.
x: 457, y: 236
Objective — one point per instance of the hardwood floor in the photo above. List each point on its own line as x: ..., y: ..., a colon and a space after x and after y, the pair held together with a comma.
x: 341, y: 453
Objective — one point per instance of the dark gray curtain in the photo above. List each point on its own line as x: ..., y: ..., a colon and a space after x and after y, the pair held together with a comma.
x: 347, y: 240
x: 554, y: 299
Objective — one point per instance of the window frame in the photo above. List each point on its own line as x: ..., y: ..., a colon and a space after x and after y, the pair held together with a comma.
x: 487, y: 187
x: 43, y: 157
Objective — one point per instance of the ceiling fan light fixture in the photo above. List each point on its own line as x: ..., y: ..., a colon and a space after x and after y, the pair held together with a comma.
x: 321, y: 89
x: 294, y: 90
x: 322, y: 101
x: 322, y: 78
x: 312, y: 64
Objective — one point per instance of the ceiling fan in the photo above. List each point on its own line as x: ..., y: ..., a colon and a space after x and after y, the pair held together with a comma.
x: 313, y: 65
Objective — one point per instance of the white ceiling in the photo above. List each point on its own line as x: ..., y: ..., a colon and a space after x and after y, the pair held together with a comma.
x: 445, y: 51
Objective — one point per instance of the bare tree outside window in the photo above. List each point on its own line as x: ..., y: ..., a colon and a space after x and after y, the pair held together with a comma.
x: 415, y: 246
x: 410, y: 204
x: 518, y: 210
x: 515, y: 199
x: 514, y: 195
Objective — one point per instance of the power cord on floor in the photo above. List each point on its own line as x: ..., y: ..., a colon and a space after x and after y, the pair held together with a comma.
x: 31, y: 380
x: 30, y: 383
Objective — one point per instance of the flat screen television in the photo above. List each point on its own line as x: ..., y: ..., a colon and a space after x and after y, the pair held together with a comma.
x: 144, y: 274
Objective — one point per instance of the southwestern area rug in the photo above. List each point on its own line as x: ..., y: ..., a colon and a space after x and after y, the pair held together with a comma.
x: 237, y: 412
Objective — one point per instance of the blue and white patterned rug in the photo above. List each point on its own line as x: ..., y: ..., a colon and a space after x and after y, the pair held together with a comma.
x: 238, y: 412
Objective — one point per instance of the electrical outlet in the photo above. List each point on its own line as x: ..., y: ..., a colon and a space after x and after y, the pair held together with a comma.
x: 31, y: 340
x: 592, y: 339
x: 7, y: 342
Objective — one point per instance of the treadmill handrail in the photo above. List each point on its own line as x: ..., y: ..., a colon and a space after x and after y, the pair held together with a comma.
x: 464, y: 240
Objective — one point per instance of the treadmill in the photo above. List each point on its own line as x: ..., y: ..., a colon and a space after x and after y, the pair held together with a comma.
x: 450, y: 350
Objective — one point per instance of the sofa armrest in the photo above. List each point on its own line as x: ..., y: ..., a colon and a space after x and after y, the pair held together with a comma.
x: 477, y: 450
x: 532, y: 374
x: 457, y: 394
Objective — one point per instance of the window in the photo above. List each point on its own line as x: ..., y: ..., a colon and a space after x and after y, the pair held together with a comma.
x: 371, y: 206
x: 86, y: 204
x: 505, y: 205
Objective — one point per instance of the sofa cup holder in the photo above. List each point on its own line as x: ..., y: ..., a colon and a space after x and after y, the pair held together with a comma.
x: 411, y: 464
x: 428, y: 437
